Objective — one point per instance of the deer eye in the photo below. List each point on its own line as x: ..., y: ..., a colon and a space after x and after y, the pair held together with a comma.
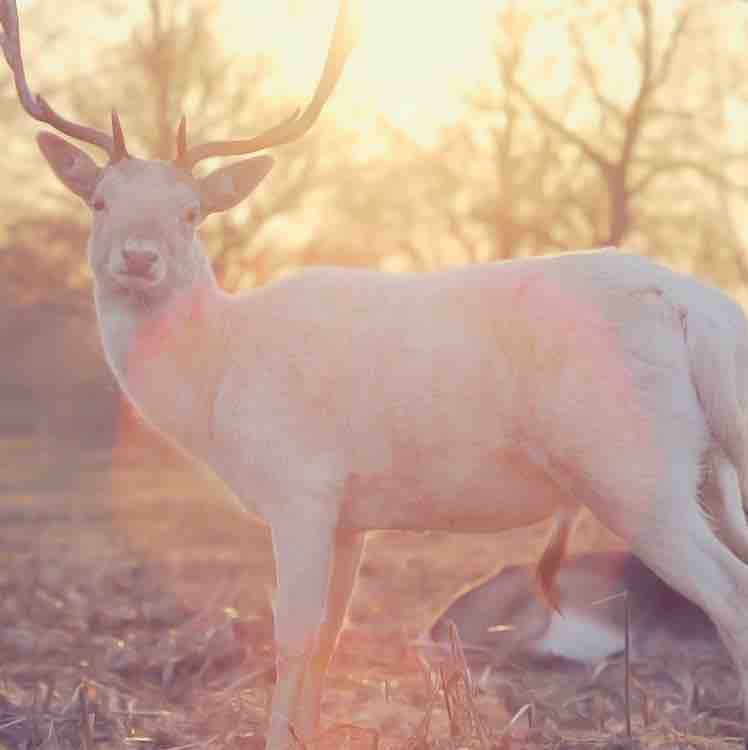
x: 190, y: 215
x: 99, y: 205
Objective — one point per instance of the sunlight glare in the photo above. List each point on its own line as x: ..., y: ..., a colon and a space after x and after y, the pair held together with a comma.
x: 412, y: 61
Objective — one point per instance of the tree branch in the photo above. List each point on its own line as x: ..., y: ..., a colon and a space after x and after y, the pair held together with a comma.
x: 569, y: 135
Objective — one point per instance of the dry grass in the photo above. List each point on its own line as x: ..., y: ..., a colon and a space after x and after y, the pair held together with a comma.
x: 134, y: 614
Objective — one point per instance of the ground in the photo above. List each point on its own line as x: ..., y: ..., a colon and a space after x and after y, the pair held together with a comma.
x: 134, y: 611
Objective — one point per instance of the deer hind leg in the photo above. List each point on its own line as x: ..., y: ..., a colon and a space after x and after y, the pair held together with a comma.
x: 672, y: 536
x: 690, y: 558
x: 723, y: 501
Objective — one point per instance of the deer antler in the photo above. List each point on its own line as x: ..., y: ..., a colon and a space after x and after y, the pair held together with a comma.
x: 294, y: 126
x: 35, y: 104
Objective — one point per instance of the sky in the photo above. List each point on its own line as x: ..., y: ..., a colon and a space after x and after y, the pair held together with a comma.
x: 412, y: 60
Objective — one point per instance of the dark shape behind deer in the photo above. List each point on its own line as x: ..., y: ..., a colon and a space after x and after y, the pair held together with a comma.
x: 504, y: 622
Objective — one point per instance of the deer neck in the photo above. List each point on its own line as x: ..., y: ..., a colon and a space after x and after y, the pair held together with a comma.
x: 166, y: 355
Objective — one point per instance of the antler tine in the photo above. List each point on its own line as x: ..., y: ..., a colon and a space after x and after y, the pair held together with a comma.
x: 181, y: 139
x: 119, y: 149
x: 299, y: 122
x: 36, y: 105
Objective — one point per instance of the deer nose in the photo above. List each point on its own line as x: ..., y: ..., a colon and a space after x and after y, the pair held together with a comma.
x: 139, y: 262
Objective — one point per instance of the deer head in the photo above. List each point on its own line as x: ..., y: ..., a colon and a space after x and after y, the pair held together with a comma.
x: 146, y: 212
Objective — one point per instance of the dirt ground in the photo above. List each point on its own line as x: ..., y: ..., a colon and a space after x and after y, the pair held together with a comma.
x: 134, y: 611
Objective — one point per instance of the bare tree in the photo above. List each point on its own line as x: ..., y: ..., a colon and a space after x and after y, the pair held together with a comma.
x: 632, y: 149
x: 654, y: 132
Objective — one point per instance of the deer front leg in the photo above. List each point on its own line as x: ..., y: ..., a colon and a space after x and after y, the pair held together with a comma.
x: 346, y: 557
x: 316, y: 568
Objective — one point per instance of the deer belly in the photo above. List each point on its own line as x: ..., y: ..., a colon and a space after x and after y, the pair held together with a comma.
x: 487, y: 491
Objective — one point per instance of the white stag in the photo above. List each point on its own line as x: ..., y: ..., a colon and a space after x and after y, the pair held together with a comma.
x: 479, y: 399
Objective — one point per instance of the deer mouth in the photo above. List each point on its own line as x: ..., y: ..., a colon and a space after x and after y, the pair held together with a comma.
x: 137, y: 280
x: 135, y: 274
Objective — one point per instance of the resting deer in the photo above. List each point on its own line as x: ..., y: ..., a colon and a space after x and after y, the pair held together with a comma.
x: 572, y: 612
x: 505, y: 623
x: 476, y: 399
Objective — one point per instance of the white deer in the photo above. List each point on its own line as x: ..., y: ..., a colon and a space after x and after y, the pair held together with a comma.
x: 477, y: 399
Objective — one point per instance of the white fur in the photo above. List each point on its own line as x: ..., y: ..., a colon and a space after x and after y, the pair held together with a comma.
x: 578, y: 637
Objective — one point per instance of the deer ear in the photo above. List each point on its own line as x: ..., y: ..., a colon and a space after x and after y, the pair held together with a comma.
x: 75, y: 168
x: 227, y: 186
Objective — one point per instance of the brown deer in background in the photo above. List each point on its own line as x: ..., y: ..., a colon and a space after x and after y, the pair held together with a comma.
x: 503, y: 621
